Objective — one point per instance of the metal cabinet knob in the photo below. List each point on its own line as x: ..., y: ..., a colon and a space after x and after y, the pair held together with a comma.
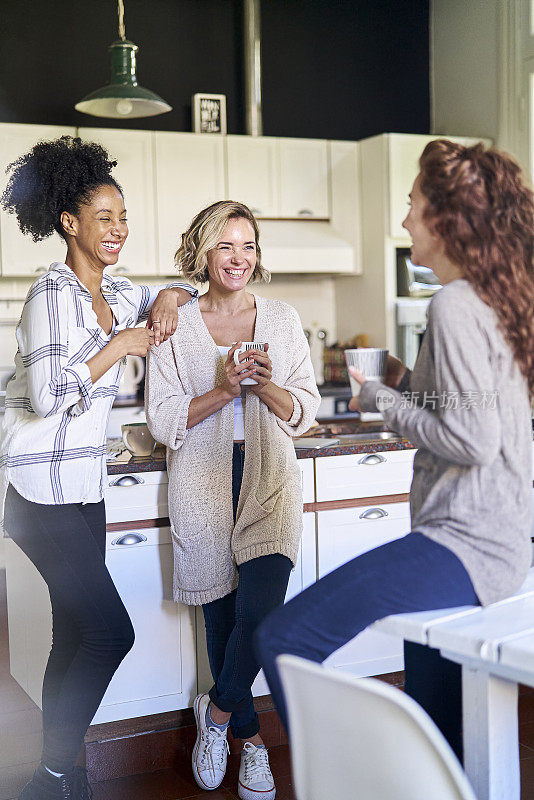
x: 373, y: 513
x: 129, y: 539
x: 372, y: 458
x: 305, y: 212
x: 126, y: 480
x: 40, y: 270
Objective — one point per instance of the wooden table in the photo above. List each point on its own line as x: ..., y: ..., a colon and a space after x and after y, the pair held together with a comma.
x: 495, y: 647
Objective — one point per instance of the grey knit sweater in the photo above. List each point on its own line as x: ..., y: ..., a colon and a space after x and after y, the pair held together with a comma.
x: 472, y: 482
x: 206, y: 543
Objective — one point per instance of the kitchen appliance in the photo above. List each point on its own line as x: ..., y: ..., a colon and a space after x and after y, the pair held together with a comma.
x: 133, y: 374
x: 414, y: 280
x: 411, y: 326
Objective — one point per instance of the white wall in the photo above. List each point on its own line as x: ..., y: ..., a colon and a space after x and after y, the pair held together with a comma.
x: 464, y: 67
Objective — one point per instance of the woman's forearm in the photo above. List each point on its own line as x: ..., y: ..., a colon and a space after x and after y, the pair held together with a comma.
x: 105, y: 358
x: 202, y: 407
x: 278, y: 400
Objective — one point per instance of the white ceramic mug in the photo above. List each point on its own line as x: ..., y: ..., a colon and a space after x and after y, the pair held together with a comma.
x: 248, y: 346
x: 371, y: 361
x: 138, y: 439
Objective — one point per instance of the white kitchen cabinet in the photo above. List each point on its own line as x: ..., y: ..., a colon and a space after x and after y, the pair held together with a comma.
x: 304, y: 179
x: 136, y: 496
x: 364, y: 475
x: 190, y: 174
x: 159, y: 673
x: 345, y: 211
x: 20, y: 255
x: 133, y: 152
x: 343, y: 534
x: 254, y: 173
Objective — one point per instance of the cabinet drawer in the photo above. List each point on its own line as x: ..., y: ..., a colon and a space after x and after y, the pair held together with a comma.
x: 136, y: 495
x: 364, y: 475
x: 346, y: 533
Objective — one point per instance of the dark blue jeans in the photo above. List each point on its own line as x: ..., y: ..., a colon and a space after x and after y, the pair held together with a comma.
x: 91, y: 629
x: 408, y: 574
x: 231, y: 622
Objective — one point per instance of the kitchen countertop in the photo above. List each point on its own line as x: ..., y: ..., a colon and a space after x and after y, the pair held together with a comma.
x: 157, y: 461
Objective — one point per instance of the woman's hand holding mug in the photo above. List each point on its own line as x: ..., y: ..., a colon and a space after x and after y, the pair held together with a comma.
x: 263, y: 370
x: 235, y: 373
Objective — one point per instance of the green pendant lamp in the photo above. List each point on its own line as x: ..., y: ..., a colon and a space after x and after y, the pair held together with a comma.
x: 123, y: 98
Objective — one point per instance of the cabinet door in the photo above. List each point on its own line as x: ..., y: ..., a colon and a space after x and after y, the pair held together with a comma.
x: 304, y: 178
x: 189, y: 176
x: 253, y: 171
x: 133, y: 152
x: 364, y: 475
x: 345, y: 213
x: 342, y: 535
x: 20, y: 255
x: 159, y: 672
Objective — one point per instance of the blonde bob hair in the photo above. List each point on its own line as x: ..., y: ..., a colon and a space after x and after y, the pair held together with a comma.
x: 204, y: 234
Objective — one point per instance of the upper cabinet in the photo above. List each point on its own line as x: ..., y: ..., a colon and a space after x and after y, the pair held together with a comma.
x: 254, y: 174
x: 133, y: 152
x: 21, y: 256
x: 304, y: 179
x: 190, y: 174
x: 279, y: 178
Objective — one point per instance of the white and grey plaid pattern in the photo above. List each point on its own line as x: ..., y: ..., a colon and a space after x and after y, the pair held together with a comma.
x: 54, y: 428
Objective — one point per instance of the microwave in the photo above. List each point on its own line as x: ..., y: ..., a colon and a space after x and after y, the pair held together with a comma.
x: 413, y: 280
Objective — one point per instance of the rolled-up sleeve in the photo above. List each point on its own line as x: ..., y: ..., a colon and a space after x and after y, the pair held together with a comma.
x: 144, y: 296
x: 166, y: 403
x: 55, y: 383
x: 300, y: 382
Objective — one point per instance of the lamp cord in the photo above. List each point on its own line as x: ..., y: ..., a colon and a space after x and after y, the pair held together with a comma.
x: 122, y: 30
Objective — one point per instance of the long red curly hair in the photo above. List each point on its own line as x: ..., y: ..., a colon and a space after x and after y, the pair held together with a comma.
x: 479, y: 204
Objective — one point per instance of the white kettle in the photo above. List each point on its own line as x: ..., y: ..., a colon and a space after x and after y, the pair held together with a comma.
x: 132, y: 376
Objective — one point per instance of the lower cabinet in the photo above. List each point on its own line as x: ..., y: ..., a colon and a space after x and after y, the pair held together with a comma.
x: 343, y: 534
x: 159, y: 673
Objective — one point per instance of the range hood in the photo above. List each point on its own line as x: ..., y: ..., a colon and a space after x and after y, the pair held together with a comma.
x: 304, y: 246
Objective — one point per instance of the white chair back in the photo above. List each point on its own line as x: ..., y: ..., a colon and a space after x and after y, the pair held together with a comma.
x: 361, y: 738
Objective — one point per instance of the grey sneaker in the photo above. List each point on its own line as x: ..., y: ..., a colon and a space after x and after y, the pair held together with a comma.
x: 211, y: 748
x: 255, y: 777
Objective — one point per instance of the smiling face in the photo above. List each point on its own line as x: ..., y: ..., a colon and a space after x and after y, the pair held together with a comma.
x: 427, y: 246
x: 100, y: 229
x: 233, y: 260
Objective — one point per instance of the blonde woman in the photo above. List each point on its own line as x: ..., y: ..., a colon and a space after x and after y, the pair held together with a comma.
x: 235, y: 500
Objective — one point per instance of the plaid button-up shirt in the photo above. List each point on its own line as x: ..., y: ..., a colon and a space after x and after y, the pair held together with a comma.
x: 54, y: 429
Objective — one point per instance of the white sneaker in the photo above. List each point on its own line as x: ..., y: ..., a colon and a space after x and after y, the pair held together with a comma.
x: 255, y: 777
x: 210, y: 750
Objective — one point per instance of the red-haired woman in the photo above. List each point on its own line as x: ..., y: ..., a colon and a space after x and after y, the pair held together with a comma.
x: 471, y: 220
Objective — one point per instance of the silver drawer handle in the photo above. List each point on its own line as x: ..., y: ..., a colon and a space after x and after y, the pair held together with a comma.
x: 128, y: 539
x: 256, y: 212
x: 126, y: 480
x: 305, y: 212
x: 373, y: 513
x: 119, y: 270
x: 372, y: 458
x: 40, y: 270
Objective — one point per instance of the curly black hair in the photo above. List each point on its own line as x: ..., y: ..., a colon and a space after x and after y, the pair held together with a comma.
x: 53, y: 177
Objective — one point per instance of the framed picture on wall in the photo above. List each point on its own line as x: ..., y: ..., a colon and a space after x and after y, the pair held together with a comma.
x: 209, y: 113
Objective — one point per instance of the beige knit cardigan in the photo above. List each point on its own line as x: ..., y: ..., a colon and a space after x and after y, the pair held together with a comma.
x: 207, y: 545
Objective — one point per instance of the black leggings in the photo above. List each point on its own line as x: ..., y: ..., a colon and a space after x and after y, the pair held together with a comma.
x: 91, y: 629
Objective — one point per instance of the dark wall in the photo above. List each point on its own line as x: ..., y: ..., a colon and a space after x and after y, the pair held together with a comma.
x: 341, y: 69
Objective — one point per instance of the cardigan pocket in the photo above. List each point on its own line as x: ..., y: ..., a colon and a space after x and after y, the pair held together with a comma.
x: 201, y: 561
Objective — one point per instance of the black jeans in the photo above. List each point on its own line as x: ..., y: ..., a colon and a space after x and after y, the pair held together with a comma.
x: 231, y: 622
x: 91, y: 629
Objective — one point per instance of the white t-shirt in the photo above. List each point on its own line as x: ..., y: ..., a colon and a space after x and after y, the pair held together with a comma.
x: 239, y: 420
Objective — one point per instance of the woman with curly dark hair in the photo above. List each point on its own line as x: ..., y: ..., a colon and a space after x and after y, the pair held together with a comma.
x: 77, y: 327
x: 468, y: 412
